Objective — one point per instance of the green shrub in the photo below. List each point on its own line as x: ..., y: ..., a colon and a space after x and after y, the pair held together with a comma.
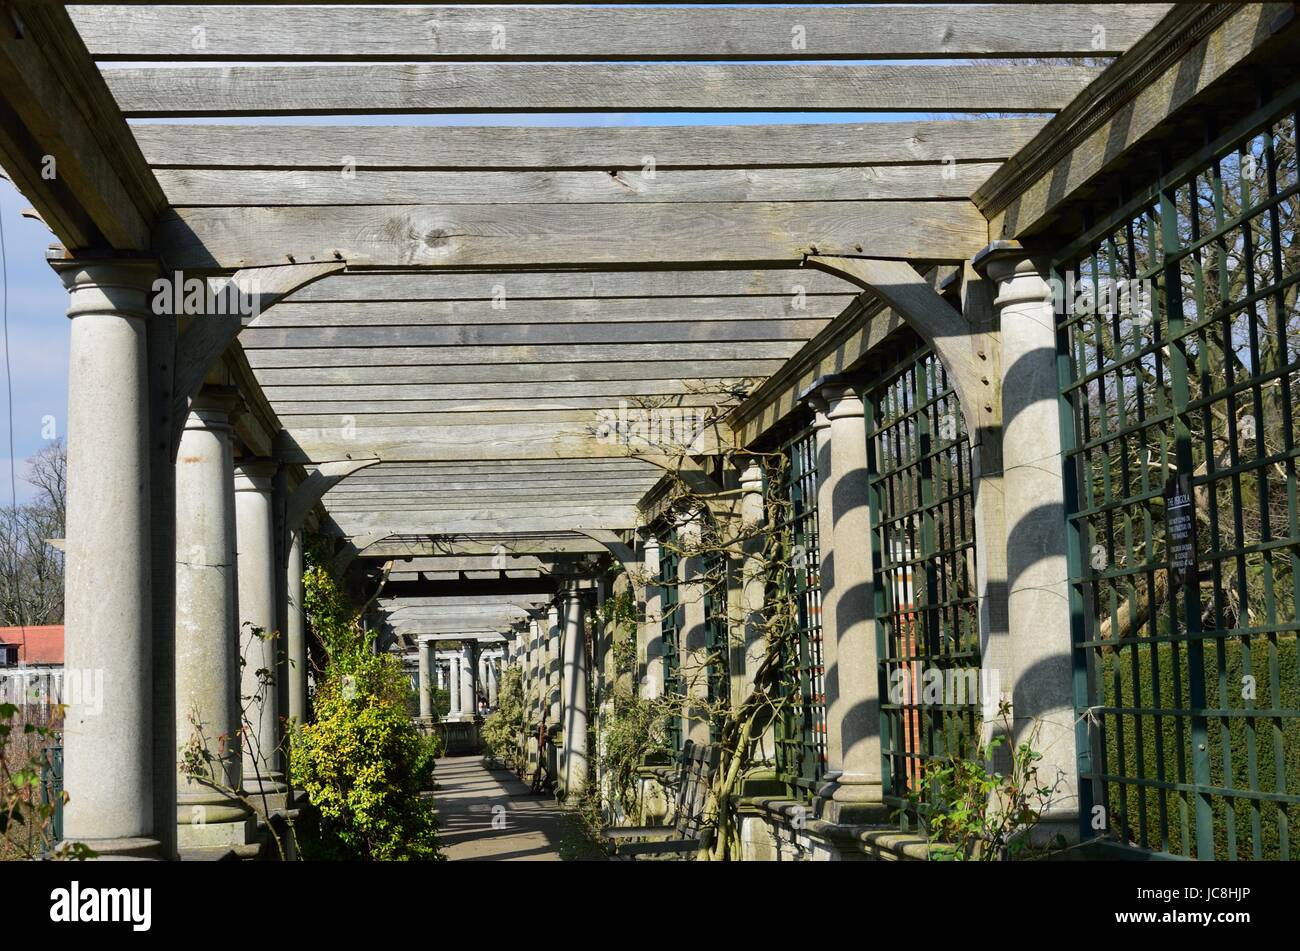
x: 501, y: 729
x: 1242, y: 828
x: 364, y: 765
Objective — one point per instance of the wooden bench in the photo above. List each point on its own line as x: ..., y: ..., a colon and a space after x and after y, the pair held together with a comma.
x: 687, y: 832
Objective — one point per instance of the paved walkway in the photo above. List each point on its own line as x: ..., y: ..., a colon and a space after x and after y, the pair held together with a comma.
x: 489, y: 815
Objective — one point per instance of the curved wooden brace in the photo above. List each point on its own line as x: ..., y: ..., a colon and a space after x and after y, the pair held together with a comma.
x: 207, y: 338
x: 354, y: 547
x: 955, y: 340
x: 313, y: 489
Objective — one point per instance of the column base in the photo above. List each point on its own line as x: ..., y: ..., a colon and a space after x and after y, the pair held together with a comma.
x: 213, y: 820
x: 268, y: 794
x: 852, y: 799
x: 122, y: 849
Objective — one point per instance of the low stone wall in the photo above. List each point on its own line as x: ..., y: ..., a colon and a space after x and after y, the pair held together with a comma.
x: 459, y: 737
x: 774, y: 829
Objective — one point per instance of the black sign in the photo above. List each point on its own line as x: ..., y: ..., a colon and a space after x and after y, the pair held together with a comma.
x: 1180, y: 524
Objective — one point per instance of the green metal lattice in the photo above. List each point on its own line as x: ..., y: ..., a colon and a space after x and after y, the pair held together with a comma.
x: 922, y: 513
x: 1182, y: 502
x: 801, y: 729
x: 670, y: 630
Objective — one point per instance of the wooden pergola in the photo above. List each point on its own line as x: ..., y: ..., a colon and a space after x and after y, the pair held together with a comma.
x: 446, y: 325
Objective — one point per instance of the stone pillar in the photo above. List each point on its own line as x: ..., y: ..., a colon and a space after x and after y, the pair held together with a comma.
x: 575, y: 680
x: 692, y: 645
x: 453, y: 686
x: 553, y: 694
x: 752, y: 593
x: 468, y: 691
x: 296, y: 632
x: 207, y: 628
x: 423, y: 650
x: 1033, y: 665
x: 108, y: 729
x: 491, y: 678
x: 853, y: 791
x: 263, y: 773
x: 650, y: 630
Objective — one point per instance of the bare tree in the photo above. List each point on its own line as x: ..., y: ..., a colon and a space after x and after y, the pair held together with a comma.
x: 31, y: 570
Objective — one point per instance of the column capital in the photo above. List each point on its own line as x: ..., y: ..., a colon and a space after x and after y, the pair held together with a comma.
x: 833, y: 396
x: 255, y: 475
x: 750, y: 472
x: 118, y: 286
x: 215, y: 408
x: 1001, y: 260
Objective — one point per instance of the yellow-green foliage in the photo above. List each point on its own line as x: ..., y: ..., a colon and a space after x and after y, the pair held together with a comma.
x: 364, y: 764
x: 500, y: 731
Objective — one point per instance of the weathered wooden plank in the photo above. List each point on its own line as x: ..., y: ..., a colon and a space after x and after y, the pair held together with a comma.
x: 332, y: 147
x: 508, y: 236
x: 61, y: 140
x: 449, y: 314
x: 479, y: 87
x: 423, y: 500
x: 1018, y: 207
x: 479, y: 355
x: 220, y: 187
x: 505, y: 393
x: 481, y: 522
x: 474, y: 442
x: 422, y: 33
x: 291, y: 412
x: 474, y: 544
x: 705, y: 371
x: 404, y: 336
x: 607, y: 415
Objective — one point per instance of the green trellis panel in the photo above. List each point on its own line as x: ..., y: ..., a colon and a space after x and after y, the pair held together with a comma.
x: 1179, y: 395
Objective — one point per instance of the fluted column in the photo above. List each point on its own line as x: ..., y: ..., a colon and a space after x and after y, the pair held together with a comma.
x: 576, y: 677
x: 263, y: 772
x: 108, y: 727
x: 207, y: 628
x: 1032, y: 664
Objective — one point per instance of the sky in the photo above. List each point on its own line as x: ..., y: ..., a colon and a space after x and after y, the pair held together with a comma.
x: 37, y: 348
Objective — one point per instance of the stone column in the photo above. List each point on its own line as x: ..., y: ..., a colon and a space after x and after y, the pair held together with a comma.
x: 491, y: 678
x: 853, y: 791
x: 576, y: 676
x: 108, y: 728
x: 692, y: 645
x: 752, y: 595
x: 423, y: 650
x: 263, y: 773
x: 1033, y: 665
x: 553, y: 706
x: 296, y: 632
x: 468, y: 691
x: 650, y: 631
x: 453, y: 686
x: 207, y: 628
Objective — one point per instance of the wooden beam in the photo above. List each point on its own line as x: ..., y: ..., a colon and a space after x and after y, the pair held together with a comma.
x: 669, y: 391
x: 1166, y: 74
x: 480, y: 87
x: 487, y: 521
x: 509, y: 236
x: 581, y: 288
x: 486, y: 442
x: 399, y: 548
x: 516, y: 311
x: 62, y: 140
x: 513, y: 32
x: 605, y: 149
x: 545, y: 334
x: 235, y: 187
x: 679, y: 370
x: 395, y: 355
x: 317, y: 484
